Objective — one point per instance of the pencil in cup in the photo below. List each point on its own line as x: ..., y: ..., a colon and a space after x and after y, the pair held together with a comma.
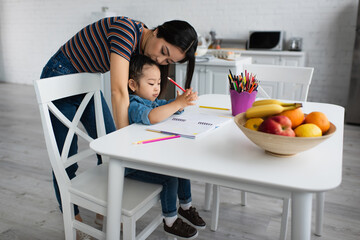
x: 243, y: 83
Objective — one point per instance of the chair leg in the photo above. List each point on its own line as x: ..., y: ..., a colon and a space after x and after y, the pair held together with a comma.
x: 320, y: 202
x: 145, y: 233
x: 243, y: 198
x: 129, y: 228
x: 215, y: 208
x: 207, y: 201
x: 69, y: 218
x: 104, y: 225
x: 284, y: 218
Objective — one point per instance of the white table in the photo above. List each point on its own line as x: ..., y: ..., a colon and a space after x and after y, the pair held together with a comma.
x: 227, y: 158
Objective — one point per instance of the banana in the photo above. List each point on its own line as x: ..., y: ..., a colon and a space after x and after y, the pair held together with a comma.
x: 271, y: 101
x: 268, y: 110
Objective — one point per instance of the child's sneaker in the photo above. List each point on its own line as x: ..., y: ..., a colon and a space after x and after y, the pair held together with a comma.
x: 192, y: 216
x: 181, y: 230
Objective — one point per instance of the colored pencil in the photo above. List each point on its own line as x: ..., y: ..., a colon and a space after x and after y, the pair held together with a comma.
x: 157, y: 139
x: 176, y: 84
x: 244, y: 82
x: 217, y: 108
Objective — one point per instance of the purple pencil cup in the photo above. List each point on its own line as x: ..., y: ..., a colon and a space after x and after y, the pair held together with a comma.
x: 240, y: 102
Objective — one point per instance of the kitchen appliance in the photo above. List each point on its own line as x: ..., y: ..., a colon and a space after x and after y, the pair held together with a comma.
x: 266, y: 40
x: 295, y: 44
x: 203, y: 45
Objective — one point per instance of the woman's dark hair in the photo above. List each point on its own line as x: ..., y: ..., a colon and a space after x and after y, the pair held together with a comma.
x: 137, y: 63
x: 183, y: 35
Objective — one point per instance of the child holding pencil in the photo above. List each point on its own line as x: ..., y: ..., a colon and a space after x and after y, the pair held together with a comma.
x: 144, y: 88
x: 146, y: 108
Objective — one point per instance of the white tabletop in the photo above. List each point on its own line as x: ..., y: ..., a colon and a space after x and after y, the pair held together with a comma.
x: 226, y: 157
x: 227, y: 153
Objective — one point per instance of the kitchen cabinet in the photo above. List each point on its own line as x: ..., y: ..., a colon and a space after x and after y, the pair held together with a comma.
x: 211, y: 76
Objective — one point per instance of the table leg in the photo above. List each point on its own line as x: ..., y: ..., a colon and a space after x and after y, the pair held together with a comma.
x: 207, y: 201
x: 115, y: 190
x: 301, y: 207
x: 215, y: 208
x: 320, y: 201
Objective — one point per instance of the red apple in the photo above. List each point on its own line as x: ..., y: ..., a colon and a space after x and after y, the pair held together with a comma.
x: 279, y: 125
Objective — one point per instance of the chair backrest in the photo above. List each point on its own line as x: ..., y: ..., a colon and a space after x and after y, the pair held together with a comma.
x: 50, y: 89
x: 282, y: 82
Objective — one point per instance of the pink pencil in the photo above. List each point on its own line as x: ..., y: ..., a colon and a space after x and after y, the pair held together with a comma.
x: 176, y: 84
x: 157, y: 139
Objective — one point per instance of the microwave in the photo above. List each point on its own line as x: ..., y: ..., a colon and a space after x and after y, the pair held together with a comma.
x: 265, y: 40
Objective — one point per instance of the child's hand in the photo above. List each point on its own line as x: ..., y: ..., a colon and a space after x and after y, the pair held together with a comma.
x: 187, y: 98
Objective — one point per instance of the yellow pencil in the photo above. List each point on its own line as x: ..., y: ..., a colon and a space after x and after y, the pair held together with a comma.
x: 218, y: 108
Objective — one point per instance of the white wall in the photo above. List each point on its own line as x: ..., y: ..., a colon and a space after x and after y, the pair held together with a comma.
x: 32, y: 30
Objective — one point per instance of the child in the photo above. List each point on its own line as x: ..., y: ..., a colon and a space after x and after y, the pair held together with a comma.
x: 144, y: 84
x: 144, y: 88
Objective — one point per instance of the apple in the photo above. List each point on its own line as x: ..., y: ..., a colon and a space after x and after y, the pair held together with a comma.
x: 279, y: 125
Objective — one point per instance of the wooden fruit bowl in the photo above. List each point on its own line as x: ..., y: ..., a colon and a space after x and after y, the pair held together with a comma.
x: 281, y: 146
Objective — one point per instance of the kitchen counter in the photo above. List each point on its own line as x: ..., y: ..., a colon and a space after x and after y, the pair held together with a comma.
x: 281, y: 53
x: 212, y: 60
x: 243, y: 52
x: 284, y: 58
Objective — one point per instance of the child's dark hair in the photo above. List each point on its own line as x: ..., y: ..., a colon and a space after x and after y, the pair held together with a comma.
x: 137, y: 63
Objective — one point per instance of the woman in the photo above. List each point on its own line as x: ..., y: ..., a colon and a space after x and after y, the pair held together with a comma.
x: 108, y: 45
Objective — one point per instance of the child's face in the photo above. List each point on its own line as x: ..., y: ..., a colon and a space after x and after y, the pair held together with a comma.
x: 149, y: 83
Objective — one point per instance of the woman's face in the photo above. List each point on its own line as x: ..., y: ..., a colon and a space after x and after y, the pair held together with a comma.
x: 161, y: 51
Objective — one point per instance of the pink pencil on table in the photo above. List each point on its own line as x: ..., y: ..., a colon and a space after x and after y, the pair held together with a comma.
x: 157, y: 139
x: 176, y: 84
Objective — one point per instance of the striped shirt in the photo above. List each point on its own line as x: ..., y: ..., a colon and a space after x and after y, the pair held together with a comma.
x: 89, y: 50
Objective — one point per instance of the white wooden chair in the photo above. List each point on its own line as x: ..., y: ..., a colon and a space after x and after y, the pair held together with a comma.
x: 89, y: 188
x: 279, y: 82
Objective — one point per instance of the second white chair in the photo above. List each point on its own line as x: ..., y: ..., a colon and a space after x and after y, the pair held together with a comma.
x: 279, y: 82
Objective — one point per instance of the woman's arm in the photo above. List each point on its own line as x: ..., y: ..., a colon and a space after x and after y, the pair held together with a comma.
x: 159, y: 114
x: 119, y: 75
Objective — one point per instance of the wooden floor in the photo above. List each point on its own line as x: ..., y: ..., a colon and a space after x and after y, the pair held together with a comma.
x: 28, y: 209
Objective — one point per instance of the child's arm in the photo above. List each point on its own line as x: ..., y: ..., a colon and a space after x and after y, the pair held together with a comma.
x: 161, y: 113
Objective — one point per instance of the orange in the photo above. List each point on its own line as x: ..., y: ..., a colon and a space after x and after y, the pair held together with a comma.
x: 253, y: 123
x: 319, y: 119
x: 308, y: 130
x: 296, y: 116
